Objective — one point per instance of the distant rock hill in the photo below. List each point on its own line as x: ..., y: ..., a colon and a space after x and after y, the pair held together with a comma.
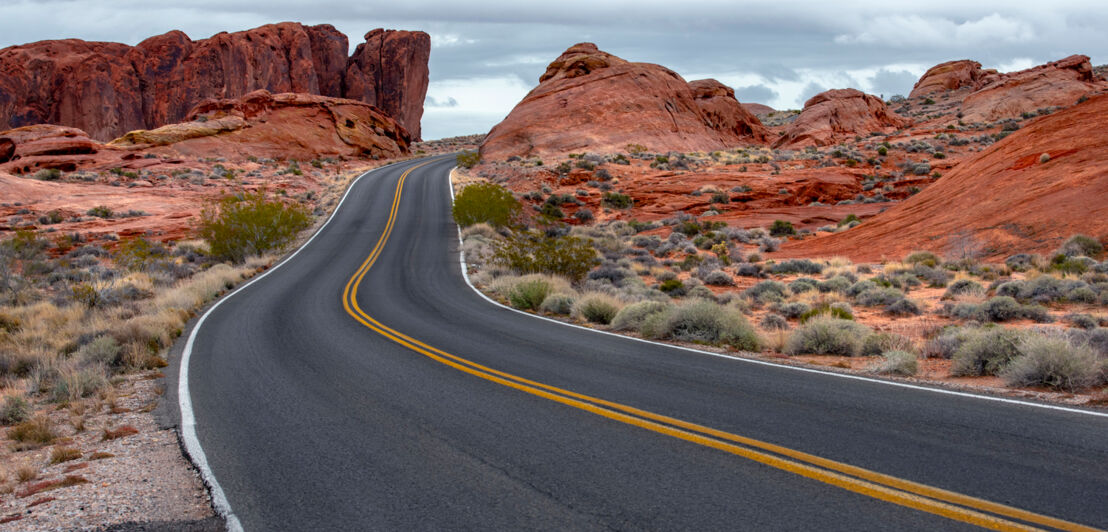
x: 589, y: 100
x: 1024, y: 194
x: 836, y: 115
x: 108, y: 89
x: 988, y: 95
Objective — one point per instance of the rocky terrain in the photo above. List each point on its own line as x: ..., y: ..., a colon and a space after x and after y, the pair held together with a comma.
x: 586, y: 99
x: 109, y: 89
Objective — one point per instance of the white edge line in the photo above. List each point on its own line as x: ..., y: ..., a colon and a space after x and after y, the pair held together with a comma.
x: 188, y: 419
x: 465, y: 275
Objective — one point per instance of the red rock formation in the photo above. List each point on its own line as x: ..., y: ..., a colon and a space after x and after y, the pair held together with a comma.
x: 1059, y: 83
x: 758, y: 109
x: 724, y: 113
x: 836, y: 115
x: 950, y: 76
x: 390, y: 70
x: 1008, y: 199
x: 290, y: 125
x: 589, y: 100
x: 108, y: 89
x: 259, y: 125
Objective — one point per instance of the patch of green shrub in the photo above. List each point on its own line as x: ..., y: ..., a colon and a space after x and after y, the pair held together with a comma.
x: 485, y: 203
x: 1081, y: 245
x: 878, y: 343
x: 632, y: 317
x: 781, y: 228
x: 100, y: 211
x: 529, y: 293
x: 705, y: 322
x: 1052, y: 361
x: 14, y: 410
x: 559, y: 303
x: 986, y: 352
x: 468, y: 159
x: 598, y: 308
x: 827, y: 336
x: 616, y: 200
x: 529, y: 252
x: 241, y: 227
x: 840, y: 311
x: 925, y: 258
x: 901, y: 363
x: 963, y: 287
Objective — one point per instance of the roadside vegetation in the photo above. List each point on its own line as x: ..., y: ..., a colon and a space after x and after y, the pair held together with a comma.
x: 1038, y: 322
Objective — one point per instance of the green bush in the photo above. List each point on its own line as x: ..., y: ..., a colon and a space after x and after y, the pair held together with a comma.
x: 781, y: 228
x: 632, y: 317
x: 986, y: 352
x: 840, y: 311
x: 878, y: 343
x: 925, y: 258
x: 14, y: 410
x: 962, y: 287
x: 898, y: 363
x: 1081, y: 245
x: 827, y: 336
x: 48, y: 174
x: 485, y: 203
x: 529, y: 252
x: 598, y: 308
x: 1054, y: 362
x: 616, y: 200
x: 242, y: 227
x: 1002, y: 308
x: 468, y: 159
x: 558, y: 304
x: 100, y: 211
x: 529, y: 294
x: 102, y: 350
x: 136, y: 253
x: 702, y: 321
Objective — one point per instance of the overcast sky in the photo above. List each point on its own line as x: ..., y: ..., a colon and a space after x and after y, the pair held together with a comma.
x: 486, y: 55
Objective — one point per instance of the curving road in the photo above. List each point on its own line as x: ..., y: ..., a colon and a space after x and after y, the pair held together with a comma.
x: 363, y: 385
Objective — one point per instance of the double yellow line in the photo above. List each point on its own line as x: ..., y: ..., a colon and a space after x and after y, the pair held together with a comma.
x: 877, y: 485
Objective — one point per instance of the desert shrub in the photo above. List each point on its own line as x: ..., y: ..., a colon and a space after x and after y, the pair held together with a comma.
x: 103, y: 349
x: 718, y: 278
x: 925, y: 258
x: 559, y: 303
x: 598, y: 308
x: 1002, y: 308
x: 584, y: 215
x: 702, y: 291
x: 529, y: 293
x: 838, y: 310
x: 1082, y: 321
x: 903, y: 307
x: 33, y: 433
x: 74, y: 384
x: 673, y: 287
x: 468, y: 159
x: 935, y: 277
x: 632, y: 317
x: 986, y: 352
x: 1078, y: 245
x: 897, y: 363
x: 875, y: 297
x: 1052, y: 361
x: 947, y: 343
x: 967, y: 311
x: 100, y: 211
x: 1097, y: 339
x: 797, y: 266
x: 781, y: 228
x: 963, y: 287
x: 14, y: 410
x: 838, y: 283
x: 1020, y: 262
x: 703, y: 321
x: 1036, y: 313
x: 529, y: 252
x: 616, y: 200
x: 766, y: 291
x: 878, y: 343
x: 859, y: 287
x: 485, y: 203
x: 803, y: 284
x: 749, y: 270
x: 792, y: 310
x: 774, y: 322
x: 827, y: 336
x: 241, y: 227
x: 135, y: 253
x: 1082, y: 294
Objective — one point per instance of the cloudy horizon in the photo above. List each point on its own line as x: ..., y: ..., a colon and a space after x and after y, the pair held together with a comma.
x: 486, y: 56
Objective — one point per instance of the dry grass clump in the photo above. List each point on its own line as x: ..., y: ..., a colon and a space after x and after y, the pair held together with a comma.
x: 33, y: 434
x: 64, y: 454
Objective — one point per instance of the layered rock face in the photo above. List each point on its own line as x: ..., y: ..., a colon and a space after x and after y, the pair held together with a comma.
x: 990, y: 95
x: 950, y: 76
x: 108, y: 89
x: 1025, y: 194
x: 589, y: 100
x: 836, y: 115
x: 258, y: 125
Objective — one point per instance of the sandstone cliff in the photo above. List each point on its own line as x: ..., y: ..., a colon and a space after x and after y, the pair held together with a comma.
x: 836, y: 115
x: 108, y: 89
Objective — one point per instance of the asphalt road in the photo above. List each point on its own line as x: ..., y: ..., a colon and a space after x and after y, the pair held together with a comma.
x: 312, y: 420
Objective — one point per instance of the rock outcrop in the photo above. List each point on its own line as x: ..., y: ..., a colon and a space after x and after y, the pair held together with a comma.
x: 589, y: 100
x: 108, y: 89
x: 259, y: 125
x: 949, y: 76
x: 758, y: 109
x: 836, y: 115
x: 1025, y: 194
x: 1056, y: 84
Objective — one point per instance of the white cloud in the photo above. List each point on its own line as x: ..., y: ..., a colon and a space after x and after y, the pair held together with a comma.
x: 918, y: 30
x: 1019, y: 63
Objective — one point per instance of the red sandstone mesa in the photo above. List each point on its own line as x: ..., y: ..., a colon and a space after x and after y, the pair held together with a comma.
x: 108, y: 89
x: 589, y: 100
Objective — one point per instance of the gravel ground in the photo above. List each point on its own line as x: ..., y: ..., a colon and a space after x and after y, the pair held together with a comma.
x: 146, y: 483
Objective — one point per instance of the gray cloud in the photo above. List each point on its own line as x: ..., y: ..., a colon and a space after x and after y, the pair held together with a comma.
x: 431, y: 101
x: 755, y: 94
x: 889, y: 82
x: 810, y: 90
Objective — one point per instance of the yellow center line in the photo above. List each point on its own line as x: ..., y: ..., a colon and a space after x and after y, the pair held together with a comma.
x: 877, y: 485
